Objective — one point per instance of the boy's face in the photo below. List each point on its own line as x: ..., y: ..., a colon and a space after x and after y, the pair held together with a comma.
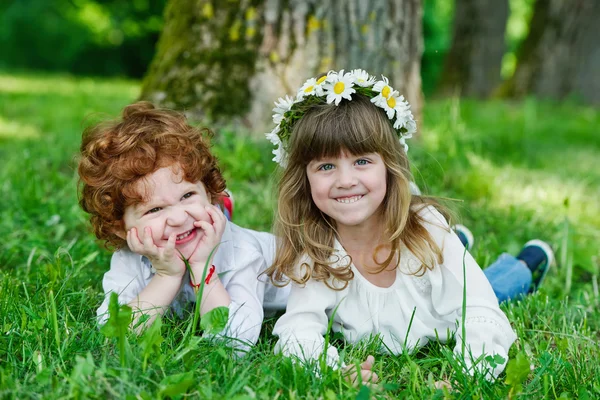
x: 171, y: 205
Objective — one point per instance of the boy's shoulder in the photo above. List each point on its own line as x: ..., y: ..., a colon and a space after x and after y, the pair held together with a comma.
x: 242, y: 244
x: 125, y: 258
x: 244, y: 238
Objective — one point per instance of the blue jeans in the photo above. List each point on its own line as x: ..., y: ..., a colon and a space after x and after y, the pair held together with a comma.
x: 509, y: 277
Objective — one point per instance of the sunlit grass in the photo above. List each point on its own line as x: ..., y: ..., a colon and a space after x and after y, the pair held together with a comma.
x: 17, y: 130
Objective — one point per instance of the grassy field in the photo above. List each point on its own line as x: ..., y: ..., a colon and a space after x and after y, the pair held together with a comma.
x: 524, y: 170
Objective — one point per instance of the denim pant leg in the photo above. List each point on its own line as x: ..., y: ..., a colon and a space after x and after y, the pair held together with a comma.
x: 509, y: 277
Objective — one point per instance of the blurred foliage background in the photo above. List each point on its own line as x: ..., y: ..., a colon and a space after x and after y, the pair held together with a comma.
x: 85, y: 37
x: 118, y: 38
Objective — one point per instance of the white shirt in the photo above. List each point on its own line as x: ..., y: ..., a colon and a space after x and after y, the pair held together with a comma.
x: 433, y: 301
x: 240, y: 258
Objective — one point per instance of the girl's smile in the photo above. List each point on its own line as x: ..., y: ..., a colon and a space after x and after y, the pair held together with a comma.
x: 348, y: 188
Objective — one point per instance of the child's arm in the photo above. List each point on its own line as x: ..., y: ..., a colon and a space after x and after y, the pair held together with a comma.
x: 486, y: 328
x: 305, y: 322
x: 214, y: 294
x: 246, y: 295
x: 132, y: 280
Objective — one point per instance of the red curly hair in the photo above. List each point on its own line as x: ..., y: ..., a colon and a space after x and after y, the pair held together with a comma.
x: 115, y: 155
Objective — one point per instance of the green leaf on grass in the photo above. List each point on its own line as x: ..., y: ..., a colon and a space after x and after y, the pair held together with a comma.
x: 150, y: 342
x: 517, y: 370
x: 364, y: 393
x: 495, y: 360
x: 215, y: 320
x: 175, y: 385
x: 119, y: 318
x: 118, y: 324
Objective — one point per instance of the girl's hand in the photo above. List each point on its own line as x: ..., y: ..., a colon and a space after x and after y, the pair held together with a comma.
x: 367, y: 376
x: 212, y: 237
x: 165, y: 260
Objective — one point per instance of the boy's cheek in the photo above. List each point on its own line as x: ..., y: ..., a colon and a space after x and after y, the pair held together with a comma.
x: 200, y: 214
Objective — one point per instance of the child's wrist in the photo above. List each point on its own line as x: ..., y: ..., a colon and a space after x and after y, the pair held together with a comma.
x: 168, y: 279
x: 203, y: 273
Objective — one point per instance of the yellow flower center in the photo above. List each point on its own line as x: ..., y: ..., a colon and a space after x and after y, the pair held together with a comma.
x: 309, y: 89
x: 321, y: 79
x: 339, y: 87
x: 385, y: 92
x: 391, y: 102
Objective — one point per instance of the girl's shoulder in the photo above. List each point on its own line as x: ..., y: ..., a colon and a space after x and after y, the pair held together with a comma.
x: 431, y: 217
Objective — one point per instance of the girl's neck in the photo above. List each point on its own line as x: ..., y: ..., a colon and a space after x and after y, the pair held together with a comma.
x: 363, y: 238
x: 362, y: 245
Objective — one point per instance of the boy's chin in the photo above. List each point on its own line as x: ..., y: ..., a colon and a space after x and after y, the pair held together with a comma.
x: 189, y: 248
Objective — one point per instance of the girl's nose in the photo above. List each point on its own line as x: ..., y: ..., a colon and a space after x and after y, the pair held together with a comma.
x: 177, y: 216
x: 346, y: 178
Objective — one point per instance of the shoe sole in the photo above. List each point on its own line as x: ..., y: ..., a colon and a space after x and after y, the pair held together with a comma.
x: 549, y: 256
x: 467, y: 233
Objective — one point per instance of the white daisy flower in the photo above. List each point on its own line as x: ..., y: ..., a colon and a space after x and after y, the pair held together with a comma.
x: 280, y: 155
x: 273, y: 136
x: 362, y: 78
x: 388, y: 104
x: 384, y: 90
x: 339, y: 86
x: 403, y: 143
x: 312, y: 86
x: 404, y: 118
x: 282, y: 105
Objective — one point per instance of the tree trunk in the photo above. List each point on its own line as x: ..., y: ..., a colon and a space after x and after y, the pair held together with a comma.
x: 234, y: 59
x: 561, y: 55
x: 205, y: 57
x: 472, y: 66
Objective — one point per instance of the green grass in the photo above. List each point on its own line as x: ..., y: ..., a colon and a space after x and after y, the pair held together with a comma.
x: 524, y: 170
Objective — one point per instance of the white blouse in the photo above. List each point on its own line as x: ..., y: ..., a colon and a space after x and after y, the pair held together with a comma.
x: 432, y: 301
x: 241, y: 257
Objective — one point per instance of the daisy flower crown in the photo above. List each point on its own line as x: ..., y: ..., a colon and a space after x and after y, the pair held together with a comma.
x: 332, y: 88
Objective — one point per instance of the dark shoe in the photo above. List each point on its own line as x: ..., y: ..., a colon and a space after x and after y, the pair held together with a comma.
x: 538, y: 256
x: 465, y: 236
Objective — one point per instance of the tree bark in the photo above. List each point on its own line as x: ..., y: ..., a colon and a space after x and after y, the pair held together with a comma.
x: 560, y: 56
x: 202, y: 67
x: 472, y: 66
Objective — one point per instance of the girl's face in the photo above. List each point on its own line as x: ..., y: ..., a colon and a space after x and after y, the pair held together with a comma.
x: 349, y: 189
x: 172, y: 205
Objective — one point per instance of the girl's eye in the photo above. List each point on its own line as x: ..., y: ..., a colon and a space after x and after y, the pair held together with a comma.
x: 325, y: 167
x: 188, y: 195
x: 362, y: 161
x: 153, y: 210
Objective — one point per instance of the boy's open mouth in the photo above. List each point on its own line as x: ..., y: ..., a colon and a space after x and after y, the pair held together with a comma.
x: 186, y: 236
x: 350, y: 199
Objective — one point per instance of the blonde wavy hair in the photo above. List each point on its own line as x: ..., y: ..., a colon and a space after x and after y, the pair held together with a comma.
x: 357, y: 127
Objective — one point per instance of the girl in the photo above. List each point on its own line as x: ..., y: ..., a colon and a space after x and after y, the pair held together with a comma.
x: 358, y: 247
x: 150, y: 185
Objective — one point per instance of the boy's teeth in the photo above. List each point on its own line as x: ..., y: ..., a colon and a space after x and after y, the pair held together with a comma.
x: 347, y: 200
x: 184, y: 235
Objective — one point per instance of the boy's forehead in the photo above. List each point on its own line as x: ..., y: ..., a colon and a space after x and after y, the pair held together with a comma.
x: 161, y: 183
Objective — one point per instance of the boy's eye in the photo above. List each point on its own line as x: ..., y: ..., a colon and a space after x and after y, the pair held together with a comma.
x: 188, y: 195
x: 325, y: 167
x: 153, y: 210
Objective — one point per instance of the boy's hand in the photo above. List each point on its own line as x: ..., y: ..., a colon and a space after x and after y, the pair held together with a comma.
x: 367, y: 376
x: 165, y: 260
x: 213, y: 232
